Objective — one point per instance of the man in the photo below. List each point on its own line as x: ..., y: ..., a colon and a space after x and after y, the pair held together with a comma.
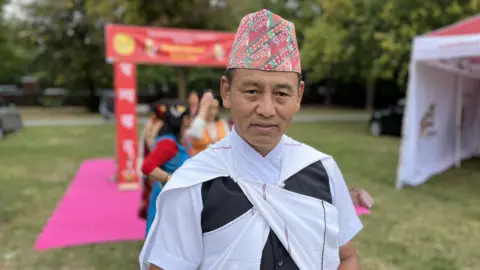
x: 257, y: 199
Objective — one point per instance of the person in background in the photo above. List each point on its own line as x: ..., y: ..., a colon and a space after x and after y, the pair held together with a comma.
x: 207, y: 127
x: 168, y: 153
x: 150, y: 133
x: 193, y: 100
x: 193, y: 104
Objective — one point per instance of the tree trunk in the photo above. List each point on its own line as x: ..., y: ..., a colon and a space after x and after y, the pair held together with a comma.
x: 93, y: 99
x: 370, y: 98
x: 182, y: 83
x: 329, y: 91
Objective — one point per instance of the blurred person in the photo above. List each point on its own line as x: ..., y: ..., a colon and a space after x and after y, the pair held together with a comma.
x: 167, y: 154
x: 193, y: 100
x: 207, y: 127
x: 106, y: 106
x: 147, y: 139
x: 257, y: 199
x: 193, y: 104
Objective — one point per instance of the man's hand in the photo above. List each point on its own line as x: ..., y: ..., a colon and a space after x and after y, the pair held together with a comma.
x: 361, y: 198
x: 154, y: 267
x: 348, y: 257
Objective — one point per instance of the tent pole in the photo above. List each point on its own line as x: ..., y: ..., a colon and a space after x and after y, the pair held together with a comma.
x: 458, y: 136
x: 477, y: 128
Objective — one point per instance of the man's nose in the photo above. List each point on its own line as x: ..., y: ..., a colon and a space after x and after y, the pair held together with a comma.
x: 266, y: 107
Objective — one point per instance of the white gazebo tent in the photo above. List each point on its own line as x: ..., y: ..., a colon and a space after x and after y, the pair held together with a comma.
x: 441, y: 126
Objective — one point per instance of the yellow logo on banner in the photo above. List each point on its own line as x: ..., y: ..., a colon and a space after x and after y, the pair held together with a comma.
x: 218, y: 52
x: 123, y: 44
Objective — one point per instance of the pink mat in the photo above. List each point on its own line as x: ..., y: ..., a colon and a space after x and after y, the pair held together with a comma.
x: 93, y: 210
x: 361, y: 210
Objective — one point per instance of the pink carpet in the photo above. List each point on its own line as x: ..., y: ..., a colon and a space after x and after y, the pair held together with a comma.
x: 93, y: 210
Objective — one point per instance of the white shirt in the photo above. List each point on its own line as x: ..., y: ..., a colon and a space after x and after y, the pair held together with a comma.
x: 198, y: 125
x: 178, y: 240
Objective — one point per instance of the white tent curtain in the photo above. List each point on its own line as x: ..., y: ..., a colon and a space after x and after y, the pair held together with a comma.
x: 442, y: 119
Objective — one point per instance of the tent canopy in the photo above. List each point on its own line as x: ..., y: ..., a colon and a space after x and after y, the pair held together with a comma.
x: 466, y: 27
x: 442, y: 120
x: 454, y: 47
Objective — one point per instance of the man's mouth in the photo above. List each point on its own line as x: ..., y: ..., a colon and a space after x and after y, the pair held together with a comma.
x: 264, y: 127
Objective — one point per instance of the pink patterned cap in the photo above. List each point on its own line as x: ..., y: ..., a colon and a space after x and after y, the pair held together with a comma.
x: 265, y: 41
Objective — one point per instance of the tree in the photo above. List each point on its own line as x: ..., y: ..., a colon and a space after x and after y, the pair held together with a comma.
x: 70, y: 34
x: 341, y: 44
x: 190, y: 14
x: 12, y: 54
x: 408, y: 19
x: 371, y: 39
x: 67, y: 44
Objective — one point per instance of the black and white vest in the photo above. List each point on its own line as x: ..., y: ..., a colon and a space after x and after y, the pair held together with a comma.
x: 249, y: 225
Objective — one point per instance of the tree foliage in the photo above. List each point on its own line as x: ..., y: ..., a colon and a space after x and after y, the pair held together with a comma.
x: 371, y: 39
x: 347, y: 40
x: 12, y: 56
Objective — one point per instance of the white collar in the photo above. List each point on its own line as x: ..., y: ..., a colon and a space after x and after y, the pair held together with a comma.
x: 241, y: 145
x: 254, y: 166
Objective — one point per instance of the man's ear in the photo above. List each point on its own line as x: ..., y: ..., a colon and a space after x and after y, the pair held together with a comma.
x: 225, y: 92
x: 301, y: 88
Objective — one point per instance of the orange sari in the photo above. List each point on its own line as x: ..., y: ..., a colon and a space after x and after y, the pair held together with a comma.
x: 198, y: 145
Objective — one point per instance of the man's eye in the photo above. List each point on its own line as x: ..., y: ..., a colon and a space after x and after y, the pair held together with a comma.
x: 282, y: 94
x: 251, y: 92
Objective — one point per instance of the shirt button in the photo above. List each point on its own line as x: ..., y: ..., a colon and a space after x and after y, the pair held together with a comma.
x: 280, y: 262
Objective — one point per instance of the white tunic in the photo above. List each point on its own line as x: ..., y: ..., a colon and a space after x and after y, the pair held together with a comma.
x: 176, y: 240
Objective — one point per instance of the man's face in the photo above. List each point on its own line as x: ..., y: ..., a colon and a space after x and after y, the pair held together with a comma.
x: 262, y: 105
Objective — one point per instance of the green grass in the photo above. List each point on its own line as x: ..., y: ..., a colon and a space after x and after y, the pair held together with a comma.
x: 431, y: 227
x: 62, y: 113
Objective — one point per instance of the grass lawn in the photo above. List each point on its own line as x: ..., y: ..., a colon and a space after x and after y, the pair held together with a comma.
x: 434, y: 226
x: 62, y: 113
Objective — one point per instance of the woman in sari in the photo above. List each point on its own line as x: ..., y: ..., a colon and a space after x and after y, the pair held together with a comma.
x: 207, y: 127
x: 147, y: 139
x: 168, y: 153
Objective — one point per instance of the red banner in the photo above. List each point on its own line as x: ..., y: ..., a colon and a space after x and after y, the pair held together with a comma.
x: 178, y: 47
x: 126, y: 119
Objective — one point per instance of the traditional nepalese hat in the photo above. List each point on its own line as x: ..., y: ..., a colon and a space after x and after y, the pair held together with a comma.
x: 265, y: 41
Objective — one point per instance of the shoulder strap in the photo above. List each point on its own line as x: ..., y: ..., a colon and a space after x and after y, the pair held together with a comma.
x: 211, y: 163
x: 297, y: 157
